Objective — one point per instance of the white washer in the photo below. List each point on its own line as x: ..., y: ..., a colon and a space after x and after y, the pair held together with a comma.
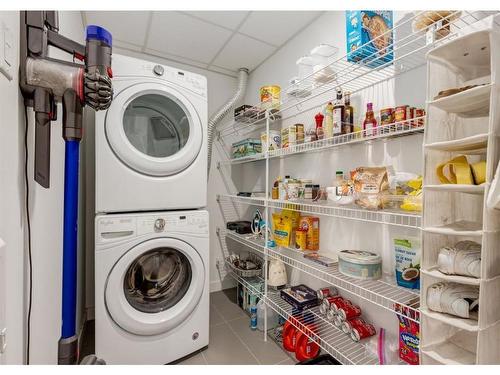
x: 151, y: 282
x: 151, y: 144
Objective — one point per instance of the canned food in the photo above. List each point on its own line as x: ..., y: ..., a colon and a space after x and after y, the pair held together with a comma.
x: 348, y: 311
x: 328, y: 291
x: 386, y: 118
x: 331, y: 315
x: 326, y: 305
x: 301, y: 240
x: 362, y: 330
x: 349, y: 324
x: 420, y: 112
x: 401, y: 114
x: 337, y: 321
x: 270, y: 97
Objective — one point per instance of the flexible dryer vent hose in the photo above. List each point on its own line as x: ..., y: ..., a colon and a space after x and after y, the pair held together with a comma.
x: 224, y: 110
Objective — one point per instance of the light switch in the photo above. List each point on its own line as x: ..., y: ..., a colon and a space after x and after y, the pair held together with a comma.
x: 6, y: 51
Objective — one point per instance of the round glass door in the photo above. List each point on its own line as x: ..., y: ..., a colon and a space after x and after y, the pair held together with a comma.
x: 157, y: 280
x: 156, y: 125
x: 154, y: 129
x: 155, y: 286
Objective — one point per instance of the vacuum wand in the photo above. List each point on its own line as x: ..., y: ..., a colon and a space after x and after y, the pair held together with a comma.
x: 44, y: 81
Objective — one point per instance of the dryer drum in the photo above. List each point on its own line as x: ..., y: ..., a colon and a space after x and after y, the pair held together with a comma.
x: 157, y: 280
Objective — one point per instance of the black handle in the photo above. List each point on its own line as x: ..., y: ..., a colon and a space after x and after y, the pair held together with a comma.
x: 42, y: 149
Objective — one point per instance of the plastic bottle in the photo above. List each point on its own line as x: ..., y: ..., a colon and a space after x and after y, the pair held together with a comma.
x: 253, y: 317
x: 272, y: 317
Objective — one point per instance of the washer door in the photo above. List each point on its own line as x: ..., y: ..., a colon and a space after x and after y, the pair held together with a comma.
x: 153, y: 129
x: 155, y: 286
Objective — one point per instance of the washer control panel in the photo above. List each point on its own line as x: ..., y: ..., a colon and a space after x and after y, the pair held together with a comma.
x: 117, y: 227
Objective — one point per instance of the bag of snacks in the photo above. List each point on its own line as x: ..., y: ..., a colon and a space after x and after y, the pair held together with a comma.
x: 370, y: 186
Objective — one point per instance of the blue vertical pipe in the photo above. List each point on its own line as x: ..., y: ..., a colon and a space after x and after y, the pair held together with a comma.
x: 70, y: 237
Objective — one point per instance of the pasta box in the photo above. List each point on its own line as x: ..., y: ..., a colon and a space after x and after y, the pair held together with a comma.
x: 369, y: 37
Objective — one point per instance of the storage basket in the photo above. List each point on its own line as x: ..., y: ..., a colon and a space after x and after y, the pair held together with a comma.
x: 247, y: 273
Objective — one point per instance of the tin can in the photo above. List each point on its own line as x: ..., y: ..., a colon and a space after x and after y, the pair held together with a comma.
x: 348, y: 311
x: 336, y: 303
x: 386, y: 118
x: 327, y: 302
x: 329, y: 291
x: 330, y: 315
x: 337, y: 321
x: 301, y: 239
x: 349, y: 324
x: 420, y: 112
x: 362, y: 330
x: 401, y: 114
x: 270, y: 97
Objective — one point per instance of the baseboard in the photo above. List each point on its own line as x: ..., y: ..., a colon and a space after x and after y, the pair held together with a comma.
x: 218, y: 285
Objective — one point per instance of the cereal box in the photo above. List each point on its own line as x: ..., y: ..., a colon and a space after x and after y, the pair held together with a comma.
x: 369, y: 37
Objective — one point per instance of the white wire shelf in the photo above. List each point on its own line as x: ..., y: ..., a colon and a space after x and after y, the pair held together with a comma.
x: 384, y: 132
x: 403, y: 53
x: 329, y: 338
x: 378, y: 292
x: 351, y: 212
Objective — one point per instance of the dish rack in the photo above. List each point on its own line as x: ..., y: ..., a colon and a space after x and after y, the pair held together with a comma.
x: 247, y: 273
x: 466, y: 123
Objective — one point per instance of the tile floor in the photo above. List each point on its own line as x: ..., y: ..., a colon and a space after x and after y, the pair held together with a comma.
x: 232, y: 342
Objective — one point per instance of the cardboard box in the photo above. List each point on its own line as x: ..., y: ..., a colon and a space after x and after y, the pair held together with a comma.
x: 369, y: 37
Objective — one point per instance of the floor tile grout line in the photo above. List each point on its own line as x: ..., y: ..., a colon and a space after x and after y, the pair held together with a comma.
x: 204, y: 359
x: 283, y: 361
x: 237, y: 336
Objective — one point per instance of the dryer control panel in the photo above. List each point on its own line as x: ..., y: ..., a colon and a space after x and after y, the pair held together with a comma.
x: 118, y: 227
x: 191, y: 81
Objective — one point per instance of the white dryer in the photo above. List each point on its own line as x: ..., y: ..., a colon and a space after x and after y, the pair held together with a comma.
x: 151, y: 286
x: 151, y: 144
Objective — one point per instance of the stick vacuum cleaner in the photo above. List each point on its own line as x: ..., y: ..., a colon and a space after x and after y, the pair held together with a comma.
x: 44, y: 81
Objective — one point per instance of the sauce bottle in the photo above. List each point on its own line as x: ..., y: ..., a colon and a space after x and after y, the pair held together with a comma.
x: 338, y: 114
x: 348, y: 124
x: 370, y: 122
x: 320, y: 134
x: 329, y: 128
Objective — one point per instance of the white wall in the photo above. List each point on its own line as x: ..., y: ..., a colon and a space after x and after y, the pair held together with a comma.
x: 12, y: 200
x: 403, y: 153
x: 46, y: 210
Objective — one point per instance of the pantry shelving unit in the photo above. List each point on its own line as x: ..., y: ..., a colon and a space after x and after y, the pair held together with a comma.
x: 467, y: 123
x: 380, y: 292
x: 409, y: 49
x: 323, y: 208
x: 384, y: 132
x: 330, y: 338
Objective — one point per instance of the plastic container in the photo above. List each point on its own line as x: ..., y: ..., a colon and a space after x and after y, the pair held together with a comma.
x: 359, y: 264
x: 272, y: 317
x: 274, y: 144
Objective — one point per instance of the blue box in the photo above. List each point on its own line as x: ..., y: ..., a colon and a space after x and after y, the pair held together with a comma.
x: 369, y: 37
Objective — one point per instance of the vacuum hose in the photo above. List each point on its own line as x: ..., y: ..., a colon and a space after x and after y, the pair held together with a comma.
x: 224, y: 110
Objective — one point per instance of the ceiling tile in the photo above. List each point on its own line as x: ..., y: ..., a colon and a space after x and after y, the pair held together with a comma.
x: 119, y: 24
x: 121, y: 44
x: 186, y: 36
x: 229, y: 19
x: 276, y: 27
x: 176, y: 58
x: 243, y: 52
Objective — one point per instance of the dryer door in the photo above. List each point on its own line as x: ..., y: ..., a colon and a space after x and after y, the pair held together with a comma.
x: 154, y: 129
x: 155, y: 286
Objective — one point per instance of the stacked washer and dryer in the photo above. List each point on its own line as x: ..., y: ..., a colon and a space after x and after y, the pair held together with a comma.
x: 151, y: 238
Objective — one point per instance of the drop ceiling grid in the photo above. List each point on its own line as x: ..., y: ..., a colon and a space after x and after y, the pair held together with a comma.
x: 214, y: 40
